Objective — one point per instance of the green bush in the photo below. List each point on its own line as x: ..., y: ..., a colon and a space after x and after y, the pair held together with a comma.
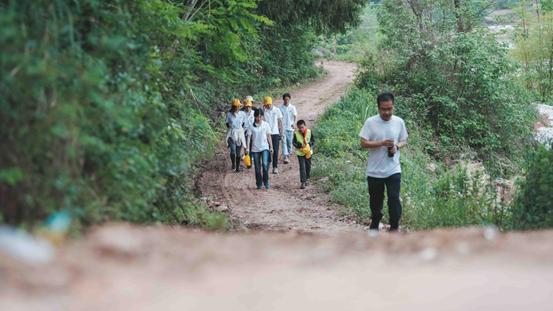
x: 354, y: 44
x: 94, y: 111
x: 107, y: 107
x: 452, y: 76
x: 432, y: 197
x: 533, y: 208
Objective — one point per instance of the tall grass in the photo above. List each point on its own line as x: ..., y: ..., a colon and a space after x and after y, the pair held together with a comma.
x: 433, y: 195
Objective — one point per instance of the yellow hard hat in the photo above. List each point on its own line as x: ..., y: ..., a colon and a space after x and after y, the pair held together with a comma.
x: 248, y: 103
x: 267, y: 100
x: 236, y: 103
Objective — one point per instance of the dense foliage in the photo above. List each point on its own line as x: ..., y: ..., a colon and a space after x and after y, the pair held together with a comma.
x: 433, y: 194
x: 534, y: 47
x: 533, y: 208
x: 463, y: 103
x: 355, y: 43
x: 106, y: 107
x: 454, y: 78
x: 324, y: 16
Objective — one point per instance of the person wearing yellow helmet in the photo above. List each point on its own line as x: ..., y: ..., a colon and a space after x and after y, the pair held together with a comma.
x: 254, y: 103
x: 250, y: 118
x: 249, y: 110
x: 236, y: 139
x: 273, y: 116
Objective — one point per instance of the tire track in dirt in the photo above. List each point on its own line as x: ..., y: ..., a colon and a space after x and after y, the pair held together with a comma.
x: 285, y: 206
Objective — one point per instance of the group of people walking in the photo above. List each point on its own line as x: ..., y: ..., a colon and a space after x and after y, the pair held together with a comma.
x: 258, y: 132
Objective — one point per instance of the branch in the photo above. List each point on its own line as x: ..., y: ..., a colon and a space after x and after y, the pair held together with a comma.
x: 192, y: 10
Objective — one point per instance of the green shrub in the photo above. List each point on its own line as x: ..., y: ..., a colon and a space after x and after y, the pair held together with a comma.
x: 432, y: 197
x: 107, y: 107
x: 533, y: 208
x: 452, y: 76
x: 461, y: 99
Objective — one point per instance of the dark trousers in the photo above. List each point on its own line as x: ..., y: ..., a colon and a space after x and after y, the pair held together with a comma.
x: 276, y: 145
x: 305, y: 168
x: 261, y: 164
x: 376, y: 198
x: 235, y: 154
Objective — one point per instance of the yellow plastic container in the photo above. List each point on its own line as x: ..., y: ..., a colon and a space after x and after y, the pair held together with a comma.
x: 307, y: 151
x: 247, y: 161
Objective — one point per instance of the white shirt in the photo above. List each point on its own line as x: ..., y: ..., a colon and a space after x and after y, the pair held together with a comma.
x: 249, y: 120
x: 237, y: 120
x: 289, y: 113
x: 259, y: 136
x: 379, y: 164
x: 271, y: 116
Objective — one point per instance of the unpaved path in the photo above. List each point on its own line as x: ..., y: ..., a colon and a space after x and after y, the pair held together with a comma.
x: 285, y: 206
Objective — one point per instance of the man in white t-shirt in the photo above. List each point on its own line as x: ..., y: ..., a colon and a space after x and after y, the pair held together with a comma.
x: 384, y: 135
x: 273, y: 116
x: 289, y: 115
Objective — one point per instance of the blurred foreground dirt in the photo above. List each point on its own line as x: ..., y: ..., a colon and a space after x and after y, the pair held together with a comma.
x: 121, y: 267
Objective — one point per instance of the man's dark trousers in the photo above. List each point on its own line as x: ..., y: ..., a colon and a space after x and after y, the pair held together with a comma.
x: 305, y: 168
x: 376, y: 198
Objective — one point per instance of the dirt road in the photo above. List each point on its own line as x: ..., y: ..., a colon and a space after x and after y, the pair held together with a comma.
x: 334, y: 266
x: 284, y: 206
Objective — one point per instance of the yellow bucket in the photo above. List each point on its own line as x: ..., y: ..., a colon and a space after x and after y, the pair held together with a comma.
x: 307, y: 151
x: 247, y: 161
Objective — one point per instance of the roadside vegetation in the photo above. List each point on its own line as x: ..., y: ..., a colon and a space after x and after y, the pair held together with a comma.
x: 107, y: 108
x: 468, y: 104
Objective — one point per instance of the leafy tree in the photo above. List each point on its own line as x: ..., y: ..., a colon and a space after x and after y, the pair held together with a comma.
x: 322, y: 15
x: 533, y: 208
x: 106, y: 107
x: 453, y: 76
x: 534, y: 47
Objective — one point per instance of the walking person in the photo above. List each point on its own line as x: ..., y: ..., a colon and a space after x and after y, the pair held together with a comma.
x: 249, y: 120
x: 236, y: 139
x: 273, y: 116
x: 261, y: 146
x: 254, y: 102
x: 384, y: 135
x: 304, y: 141
x: 289, y: 115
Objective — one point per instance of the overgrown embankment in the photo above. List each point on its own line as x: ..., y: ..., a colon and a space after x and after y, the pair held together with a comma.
x: 462, y: 102
x: 433, y: 193
x: 106, y: 107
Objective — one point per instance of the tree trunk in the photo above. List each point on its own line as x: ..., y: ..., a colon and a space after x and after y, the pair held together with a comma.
x: 457, y: 6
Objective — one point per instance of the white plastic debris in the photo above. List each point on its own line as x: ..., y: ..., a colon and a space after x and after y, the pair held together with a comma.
x: 462, y: 248
x: 490, y: 233
x: 372, y: 233
x: 23, y: 246
x: 428, y: 254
